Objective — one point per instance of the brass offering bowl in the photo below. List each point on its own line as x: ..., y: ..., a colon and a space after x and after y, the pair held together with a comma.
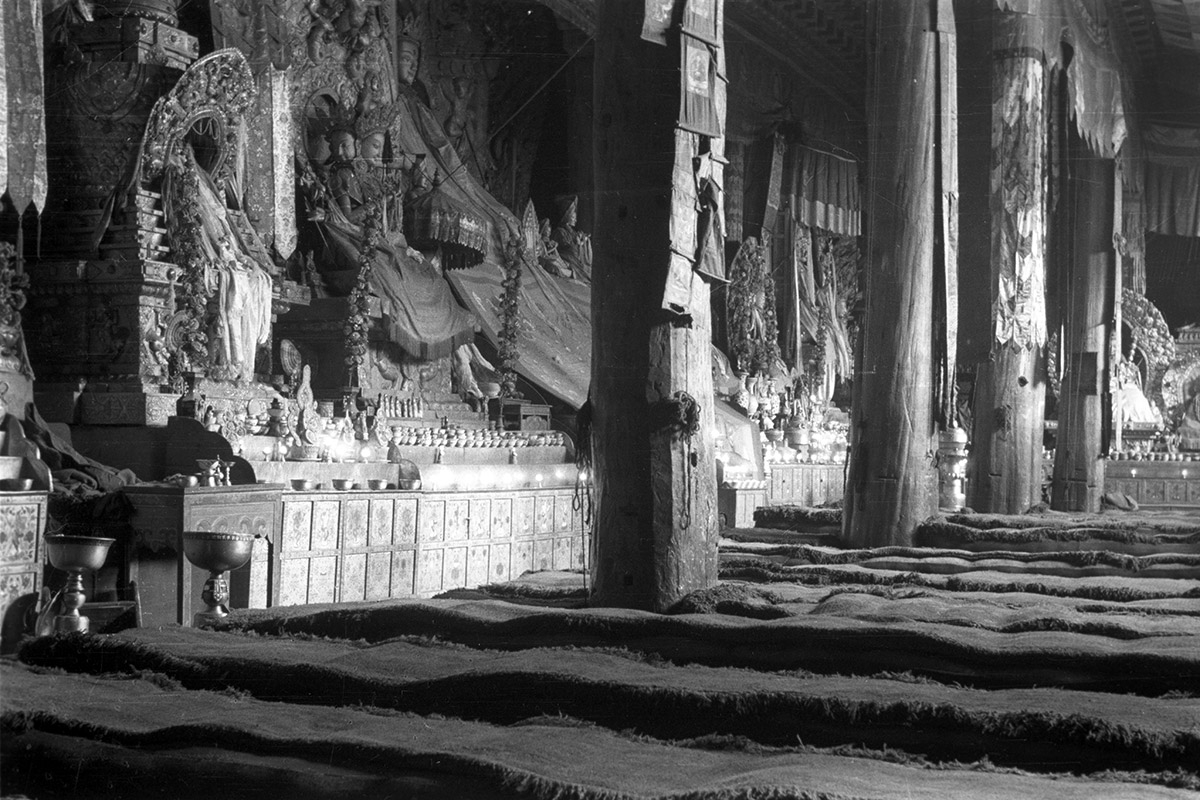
x: 217, y: 552
x: 75, y: 555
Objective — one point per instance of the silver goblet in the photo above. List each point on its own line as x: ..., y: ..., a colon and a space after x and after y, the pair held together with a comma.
x: 217, y: 552
x: 75, y: 555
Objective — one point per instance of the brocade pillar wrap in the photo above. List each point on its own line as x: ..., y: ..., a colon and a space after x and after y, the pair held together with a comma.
x: 1018, y: 185
x: 1008, y: 416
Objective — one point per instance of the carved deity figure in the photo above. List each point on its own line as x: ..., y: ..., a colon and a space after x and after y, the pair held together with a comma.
x: 574, y: 246
x: 1134, y: 405
x: 420, y: 313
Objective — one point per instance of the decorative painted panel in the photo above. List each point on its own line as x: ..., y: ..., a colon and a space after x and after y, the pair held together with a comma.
x: 404, y: 525
x: 432, y: 521
x: 379, y: 569
x: 499, y: 563
x: 297, y: 526
x: 429, y: 571
x: 322, y: 574
x: 523, y: 516
x: 477, y: 565
x: 501, y: 517
x: 479, y: 521
x: 353, y: 577
x: 543, y: 554
x: 544, y: 519
x: 454, y: 568
x: 355, y: 516
x: 564, y: 515
x: 562, y: 553
x: 403, y: 574
x: 457, y: 512
x: 22, y: 519
x: 325, y: 524
x: 381, y: 521
x: 293, y: 581
x: 522, y: 559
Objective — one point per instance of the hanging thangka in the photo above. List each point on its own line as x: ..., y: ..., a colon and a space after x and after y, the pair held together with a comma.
x: 657, y: 21
x: 697, y: 102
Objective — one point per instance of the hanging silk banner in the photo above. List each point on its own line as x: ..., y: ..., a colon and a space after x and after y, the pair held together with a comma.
x: 26, y: 131
x: 697, y: 100
x: 807, y: 315
x: 285, y: 165
x: 735, y: 189
x: 3, y: 107
x: 775, y: 182
x: 710, y: 240
x: 700, y: 20
x: 657, y: 21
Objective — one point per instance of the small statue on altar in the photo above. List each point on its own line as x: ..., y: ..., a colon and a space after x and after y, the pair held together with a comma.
x: 574, y: 246
x: 1189, y: 428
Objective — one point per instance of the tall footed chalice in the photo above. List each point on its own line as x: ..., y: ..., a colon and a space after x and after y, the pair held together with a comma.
x: 217, y: 552
x: 75, y: 555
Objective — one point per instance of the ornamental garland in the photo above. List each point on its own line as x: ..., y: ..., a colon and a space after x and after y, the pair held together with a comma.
x: 12, y: 287
x: 358, y: 321
x: 184, y: 226
x: 510, y: 306
x: 753, y: 328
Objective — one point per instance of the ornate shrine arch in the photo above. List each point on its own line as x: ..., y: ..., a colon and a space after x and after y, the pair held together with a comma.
x: 209, y: 100
x: 1151, y: 338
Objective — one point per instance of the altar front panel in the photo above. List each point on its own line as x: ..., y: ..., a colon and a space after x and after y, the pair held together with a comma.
x: 345, y: 546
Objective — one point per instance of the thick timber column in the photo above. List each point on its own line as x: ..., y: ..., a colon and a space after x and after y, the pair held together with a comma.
x: 1010, y: 394
x: 891, y: 485
x: 1079, y: 461
x: 656, y: 522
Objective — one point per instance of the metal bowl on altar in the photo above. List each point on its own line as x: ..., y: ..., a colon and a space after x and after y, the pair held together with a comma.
x: 377, y: 484
x: 342, y: 484
x: 76, y: 553
x: 217, y: 551
x: 409, y: 483
x: 303, y: 485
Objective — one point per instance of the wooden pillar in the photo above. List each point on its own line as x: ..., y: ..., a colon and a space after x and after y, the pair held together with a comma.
x: 656, y: 525
x: 1010, y: 390
x: 891, y: 485
x: 1079, y: 458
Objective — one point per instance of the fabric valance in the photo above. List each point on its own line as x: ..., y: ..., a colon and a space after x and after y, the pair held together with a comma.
x: 827, y: 193
x: 1172, y: 180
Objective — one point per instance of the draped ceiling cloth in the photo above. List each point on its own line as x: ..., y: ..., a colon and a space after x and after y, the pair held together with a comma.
x: 1172, y: 187
x: 22, y: 107
x: 554, y: 339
